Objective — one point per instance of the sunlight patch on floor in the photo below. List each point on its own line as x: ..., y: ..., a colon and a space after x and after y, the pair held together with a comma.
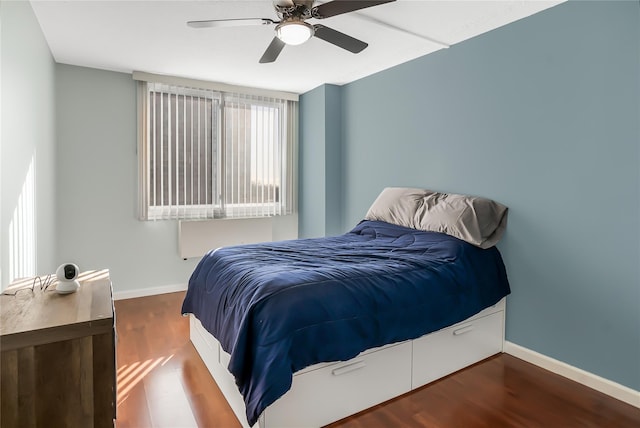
x: 129, y: 375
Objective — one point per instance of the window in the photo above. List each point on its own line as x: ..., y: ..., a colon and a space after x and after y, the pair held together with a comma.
x: 214, y: 154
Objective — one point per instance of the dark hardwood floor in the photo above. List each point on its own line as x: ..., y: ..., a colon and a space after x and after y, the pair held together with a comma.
x: 163, y: 383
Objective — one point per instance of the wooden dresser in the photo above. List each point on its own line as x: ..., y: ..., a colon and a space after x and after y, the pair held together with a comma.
x: 57, y: 356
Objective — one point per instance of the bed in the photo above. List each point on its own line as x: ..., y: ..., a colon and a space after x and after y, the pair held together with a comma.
x: 308, y: 331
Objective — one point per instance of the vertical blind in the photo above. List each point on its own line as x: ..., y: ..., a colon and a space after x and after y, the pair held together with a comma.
x: 212, y: 154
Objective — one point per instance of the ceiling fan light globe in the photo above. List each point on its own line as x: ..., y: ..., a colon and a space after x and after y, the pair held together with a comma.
x: 294, y: 33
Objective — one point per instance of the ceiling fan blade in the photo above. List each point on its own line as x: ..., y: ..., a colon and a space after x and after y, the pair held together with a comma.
x: 338, y: 7
x: 273, y: 50
x: 339, y: 39
x: 231, y: 22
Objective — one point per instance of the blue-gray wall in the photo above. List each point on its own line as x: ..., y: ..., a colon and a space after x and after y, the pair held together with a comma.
x: 333, y: 159
x: 27, y: 85
x: 541, y: 115
x: 311, y: 163
x: 320, y: 163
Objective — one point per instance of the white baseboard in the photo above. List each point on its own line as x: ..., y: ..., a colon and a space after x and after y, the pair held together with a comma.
x: 613, y: 389
x: 150, y: 291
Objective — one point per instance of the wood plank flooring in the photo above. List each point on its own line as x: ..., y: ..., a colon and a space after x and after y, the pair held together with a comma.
x: 163, y: 383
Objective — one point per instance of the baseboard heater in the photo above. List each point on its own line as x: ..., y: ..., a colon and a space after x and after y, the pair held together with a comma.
x: 196, y: 237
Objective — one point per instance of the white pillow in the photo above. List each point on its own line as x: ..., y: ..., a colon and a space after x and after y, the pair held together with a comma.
x: 476, y: 220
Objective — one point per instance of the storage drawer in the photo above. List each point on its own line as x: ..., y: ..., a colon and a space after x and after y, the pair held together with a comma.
x: 337, y: 390
x: 210, y: 345
x: 448, y: 350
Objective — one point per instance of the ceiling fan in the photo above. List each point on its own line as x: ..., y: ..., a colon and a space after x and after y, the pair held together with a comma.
x: 292, y: 29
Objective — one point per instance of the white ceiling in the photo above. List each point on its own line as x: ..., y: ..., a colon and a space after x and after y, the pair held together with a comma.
x: 152, y: 36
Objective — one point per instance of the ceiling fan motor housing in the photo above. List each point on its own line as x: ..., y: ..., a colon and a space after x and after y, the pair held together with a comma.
x: 293, y: 8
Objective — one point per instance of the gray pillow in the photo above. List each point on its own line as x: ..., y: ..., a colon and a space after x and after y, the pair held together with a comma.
x: 476, y: 220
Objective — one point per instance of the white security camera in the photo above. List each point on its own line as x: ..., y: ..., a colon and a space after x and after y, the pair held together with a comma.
x: 67, y: 274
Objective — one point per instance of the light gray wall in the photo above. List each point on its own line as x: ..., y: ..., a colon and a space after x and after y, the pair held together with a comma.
x: 97, y: 190
x: 27, y: 121
x: 541, y: 115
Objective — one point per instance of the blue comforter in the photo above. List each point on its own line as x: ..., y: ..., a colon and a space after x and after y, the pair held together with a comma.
x: 279, y: 307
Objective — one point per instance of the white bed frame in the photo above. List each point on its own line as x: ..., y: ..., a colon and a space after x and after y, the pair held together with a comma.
x: 327, y: 392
